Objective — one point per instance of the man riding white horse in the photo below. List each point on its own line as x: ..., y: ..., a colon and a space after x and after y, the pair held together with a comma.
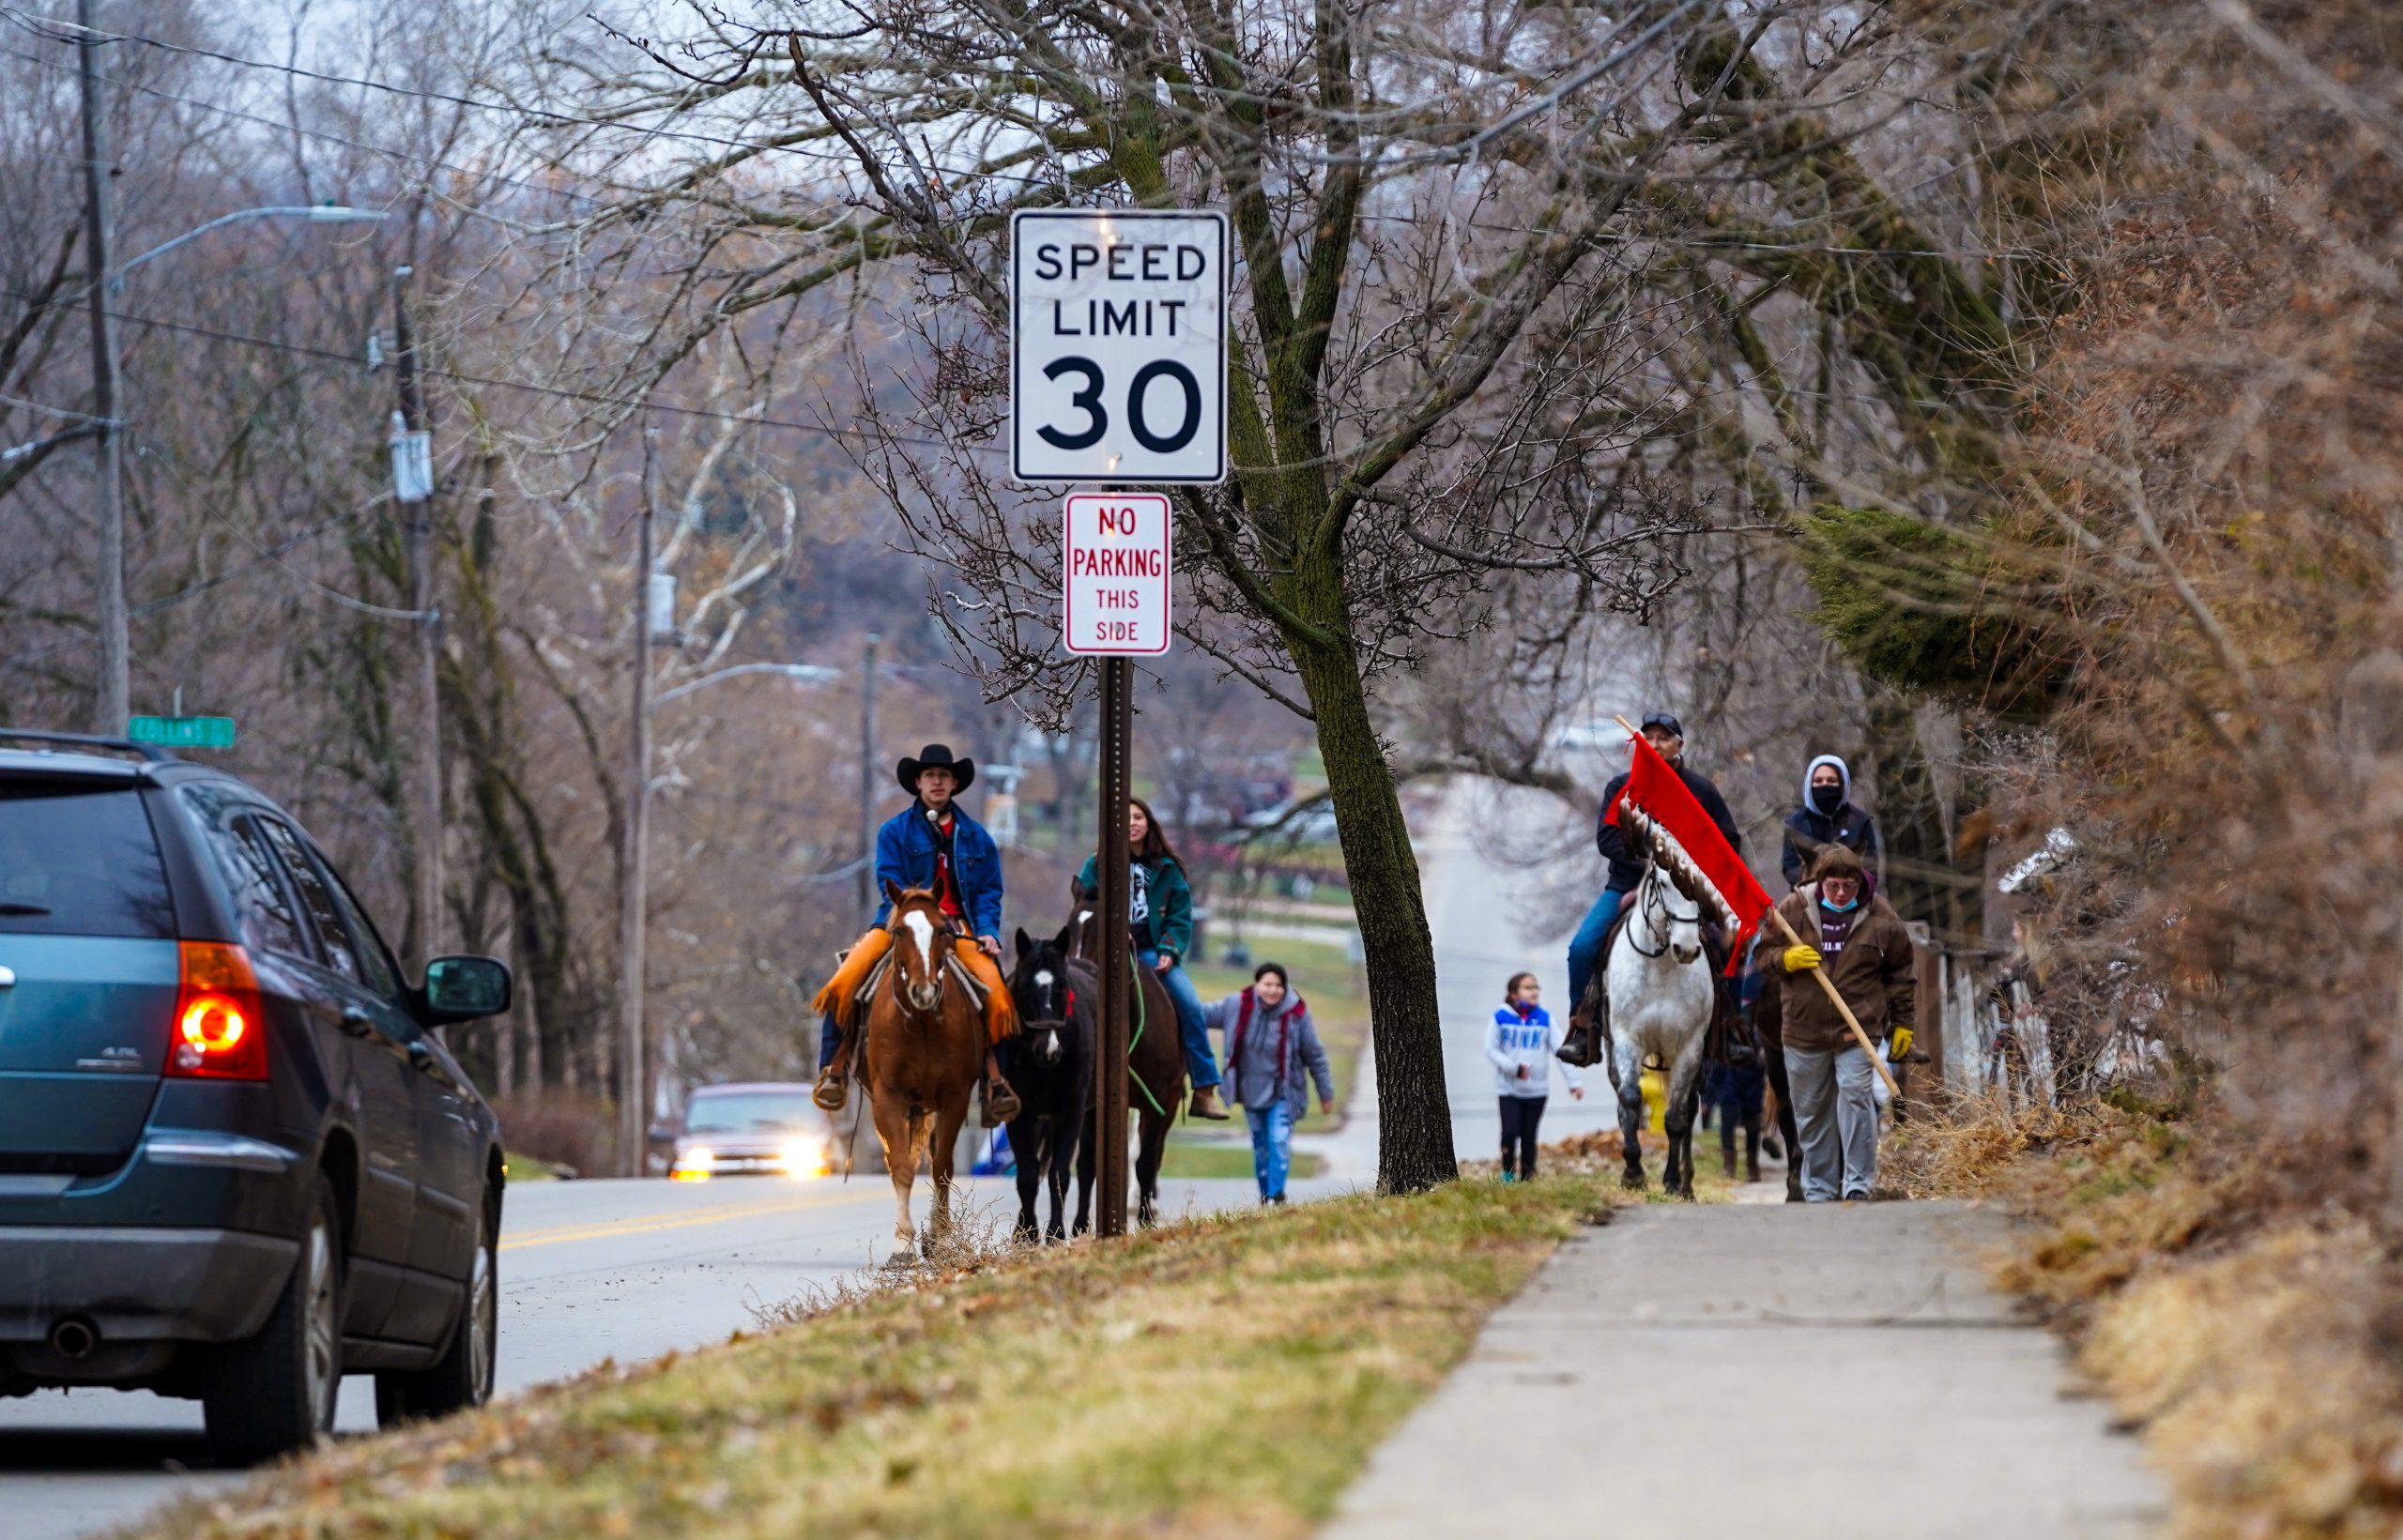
x: 1588, y: 1019
x: 932, y: 843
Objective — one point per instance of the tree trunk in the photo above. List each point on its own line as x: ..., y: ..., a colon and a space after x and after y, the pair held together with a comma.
x: 1924, y: 879
x: 1413, y: 1105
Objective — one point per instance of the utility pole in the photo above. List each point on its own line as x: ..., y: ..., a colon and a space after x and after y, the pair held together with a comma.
x: 631, y: 899
x: 418, y: 535
x: 866, y: 877
x: 113, y: 707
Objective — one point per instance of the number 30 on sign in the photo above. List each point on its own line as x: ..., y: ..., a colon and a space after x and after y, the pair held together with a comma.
x: 1113, y: 591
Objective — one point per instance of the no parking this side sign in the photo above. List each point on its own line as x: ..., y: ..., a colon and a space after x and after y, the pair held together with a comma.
x: 1114, y: 589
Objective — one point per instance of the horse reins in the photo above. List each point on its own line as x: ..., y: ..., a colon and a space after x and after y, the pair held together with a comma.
x: 1650, y: 897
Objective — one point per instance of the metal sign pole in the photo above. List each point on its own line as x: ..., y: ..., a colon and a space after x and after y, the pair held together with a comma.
x: 1117, y: 973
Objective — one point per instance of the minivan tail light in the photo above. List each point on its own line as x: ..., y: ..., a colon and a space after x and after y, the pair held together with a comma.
x: 219, y: 1032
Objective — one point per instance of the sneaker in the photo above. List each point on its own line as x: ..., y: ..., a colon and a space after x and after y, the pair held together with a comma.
x: 1509, y: 1176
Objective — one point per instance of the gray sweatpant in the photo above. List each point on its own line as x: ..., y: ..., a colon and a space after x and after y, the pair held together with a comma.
x: 1835, y: 1113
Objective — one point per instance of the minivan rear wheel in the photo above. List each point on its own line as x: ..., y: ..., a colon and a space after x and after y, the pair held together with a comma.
x: 462, y: 1377
x: 275, y: 1393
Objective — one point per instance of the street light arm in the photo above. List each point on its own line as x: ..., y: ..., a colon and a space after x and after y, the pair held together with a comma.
x: 316, y: 214
x: 798, y: 673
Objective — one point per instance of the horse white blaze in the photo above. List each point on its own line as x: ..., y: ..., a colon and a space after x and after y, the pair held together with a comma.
x: 1044, y: 978
x: 922, y: 934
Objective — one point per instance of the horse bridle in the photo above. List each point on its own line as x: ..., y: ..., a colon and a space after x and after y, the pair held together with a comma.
x: 947, y: 934
x: 1067, y: 1000
x: 1648, y: 897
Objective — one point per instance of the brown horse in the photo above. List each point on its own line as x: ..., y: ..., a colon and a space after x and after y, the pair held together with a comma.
x: 922, y: 1054
x: 1154, y: 1074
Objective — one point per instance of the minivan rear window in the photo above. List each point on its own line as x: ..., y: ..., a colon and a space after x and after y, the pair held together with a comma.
x: 79, y: 859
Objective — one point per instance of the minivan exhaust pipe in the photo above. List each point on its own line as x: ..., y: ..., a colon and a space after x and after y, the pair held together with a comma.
x: 75, y: 1338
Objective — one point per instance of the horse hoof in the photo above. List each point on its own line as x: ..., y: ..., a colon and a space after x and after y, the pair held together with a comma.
x: 1632, y: 1182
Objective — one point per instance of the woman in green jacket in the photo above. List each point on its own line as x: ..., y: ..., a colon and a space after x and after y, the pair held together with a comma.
x: 1159, y: 918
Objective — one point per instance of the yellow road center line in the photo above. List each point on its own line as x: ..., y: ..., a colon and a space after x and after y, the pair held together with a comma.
x: 646, y: 1224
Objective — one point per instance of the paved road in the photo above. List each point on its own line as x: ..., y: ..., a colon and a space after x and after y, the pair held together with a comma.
x: 1803, y: 1371
x: 590, y: 1270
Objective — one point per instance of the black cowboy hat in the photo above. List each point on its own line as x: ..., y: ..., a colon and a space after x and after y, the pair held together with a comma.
x: 936, y: 756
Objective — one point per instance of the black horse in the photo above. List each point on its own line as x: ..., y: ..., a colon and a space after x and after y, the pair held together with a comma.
x: 1051, y: 1069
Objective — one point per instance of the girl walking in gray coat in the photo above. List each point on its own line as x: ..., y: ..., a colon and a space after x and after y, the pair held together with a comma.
x: 1272, y: 1045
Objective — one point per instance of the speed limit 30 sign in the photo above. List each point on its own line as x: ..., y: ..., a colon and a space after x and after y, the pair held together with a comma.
x: 1118, y: 345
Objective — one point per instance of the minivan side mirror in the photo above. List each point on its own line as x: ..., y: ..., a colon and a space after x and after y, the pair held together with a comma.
x: 465, y: 989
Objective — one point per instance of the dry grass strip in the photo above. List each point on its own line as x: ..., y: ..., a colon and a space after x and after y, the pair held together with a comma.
x: 1219, y: 1377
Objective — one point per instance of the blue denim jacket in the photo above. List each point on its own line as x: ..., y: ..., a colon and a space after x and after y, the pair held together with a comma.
x: 905, y: 856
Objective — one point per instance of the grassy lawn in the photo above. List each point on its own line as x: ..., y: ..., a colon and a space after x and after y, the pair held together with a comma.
x: 1337, y: 992
x: 1217, y: 1377
x: 1197, y: 1160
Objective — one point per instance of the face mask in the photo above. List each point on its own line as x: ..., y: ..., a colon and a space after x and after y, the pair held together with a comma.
x: 1827, y: 798
x: 1841, y: 909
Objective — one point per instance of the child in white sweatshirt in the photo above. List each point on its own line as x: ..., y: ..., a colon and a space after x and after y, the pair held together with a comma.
x: 1520, y: 1043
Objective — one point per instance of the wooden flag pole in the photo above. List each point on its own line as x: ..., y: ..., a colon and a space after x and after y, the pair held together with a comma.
x: 1876, y: 1059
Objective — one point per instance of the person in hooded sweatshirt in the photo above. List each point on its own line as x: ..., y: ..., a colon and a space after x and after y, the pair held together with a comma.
x: 1827, y: 816
x: 1519, y: 1043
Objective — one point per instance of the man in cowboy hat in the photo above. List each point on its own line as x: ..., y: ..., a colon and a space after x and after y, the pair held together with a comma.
x: 931, y: 844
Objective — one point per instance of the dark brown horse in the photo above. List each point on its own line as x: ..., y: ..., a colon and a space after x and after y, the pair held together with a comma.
x: 1051, y: 1067
x: 923, y: 1051
x: 1768, y: 1026
x: 1154, y: 1074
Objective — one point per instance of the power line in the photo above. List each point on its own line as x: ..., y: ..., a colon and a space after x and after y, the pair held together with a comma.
x: 589, y: 397
x: 281, y: 125
x: 1704, y: 243
x: 39, y: 26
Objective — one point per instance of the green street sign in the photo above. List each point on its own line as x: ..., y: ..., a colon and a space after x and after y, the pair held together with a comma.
x: 183, y: 732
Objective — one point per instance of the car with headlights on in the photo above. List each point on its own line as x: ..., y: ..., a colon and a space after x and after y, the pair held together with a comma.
x: 767, y: 1128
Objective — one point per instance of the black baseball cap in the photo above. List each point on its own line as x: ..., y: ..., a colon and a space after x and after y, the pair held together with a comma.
x: 1667, y: 722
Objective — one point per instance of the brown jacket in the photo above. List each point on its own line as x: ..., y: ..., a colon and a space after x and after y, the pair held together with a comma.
x: 1874, y: 973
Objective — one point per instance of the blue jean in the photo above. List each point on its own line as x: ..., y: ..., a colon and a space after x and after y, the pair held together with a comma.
x: 1272, y: 1145
x: 1190, y: 1024
x: 830, y: 1037
x: 1585, y: 946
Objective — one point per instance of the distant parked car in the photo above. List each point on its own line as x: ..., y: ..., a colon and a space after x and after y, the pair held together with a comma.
x: 1301, y: 821
x: 237, y: 1161
x: 767, y: 1128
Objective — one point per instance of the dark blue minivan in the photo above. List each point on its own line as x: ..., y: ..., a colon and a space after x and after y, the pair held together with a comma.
x: 237, y: 1161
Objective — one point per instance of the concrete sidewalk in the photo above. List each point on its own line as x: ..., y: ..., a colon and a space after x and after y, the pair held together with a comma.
x: 1790, y: 1370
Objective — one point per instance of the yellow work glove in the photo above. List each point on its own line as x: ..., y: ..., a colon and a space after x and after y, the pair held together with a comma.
x: 1801, y: 959
x: 1898, y: 1048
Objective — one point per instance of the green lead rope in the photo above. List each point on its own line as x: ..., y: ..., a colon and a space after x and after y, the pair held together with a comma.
x: 1135, y: 970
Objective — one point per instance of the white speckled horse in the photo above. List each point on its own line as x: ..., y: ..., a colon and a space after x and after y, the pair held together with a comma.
x: 1662, y: 997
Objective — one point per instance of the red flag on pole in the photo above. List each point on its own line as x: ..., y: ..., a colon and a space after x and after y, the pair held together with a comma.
x: 1685, y: 840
